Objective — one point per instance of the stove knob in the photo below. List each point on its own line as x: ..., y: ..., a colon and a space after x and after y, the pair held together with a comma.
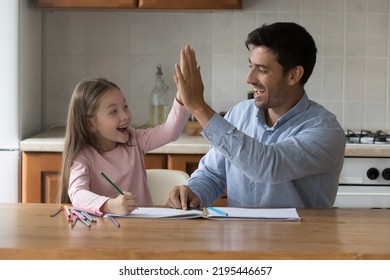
x: 372, y: 173
x: 386, y: 173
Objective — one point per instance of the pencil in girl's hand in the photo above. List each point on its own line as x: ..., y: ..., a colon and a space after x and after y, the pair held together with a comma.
x: 112, y: 184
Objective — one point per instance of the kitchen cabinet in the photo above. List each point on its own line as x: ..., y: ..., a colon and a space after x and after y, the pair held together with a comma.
x: 143, y: 4
x: 42, y: 156
x: 185, y: 162
x: 156, y: 161
x: 103, y: 4
x: 40, y: 176
x: 40, y: 172
x: 189, y: 163
x: 189, y: 4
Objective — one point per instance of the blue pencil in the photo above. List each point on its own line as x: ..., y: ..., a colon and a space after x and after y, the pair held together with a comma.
x: 220, y: 212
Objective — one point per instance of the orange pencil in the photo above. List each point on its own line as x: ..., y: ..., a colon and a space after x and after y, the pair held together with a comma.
x: 67, y: 217
x: 68, y: 212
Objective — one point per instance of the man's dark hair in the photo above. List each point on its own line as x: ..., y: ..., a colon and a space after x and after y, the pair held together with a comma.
x: 290, y: 42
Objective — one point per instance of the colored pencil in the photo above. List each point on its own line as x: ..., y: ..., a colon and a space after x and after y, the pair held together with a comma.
x: 89, y: 218
x: 67, y: 210
x: 114, y: 221
x: 220, y: 212
x: 79, y: 215
x: 67, y: 217
x: 83, y: 220
x: 56, y: 211
x: 89, y: 211
x: 74, y: 219
x: 112, y: 183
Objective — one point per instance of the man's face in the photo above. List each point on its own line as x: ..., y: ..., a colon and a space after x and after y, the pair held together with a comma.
x: 269, y: 83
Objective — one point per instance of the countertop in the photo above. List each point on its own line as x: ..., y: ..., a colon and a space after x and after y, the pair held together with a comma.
x: 52, y: 140
x: 332, y: 234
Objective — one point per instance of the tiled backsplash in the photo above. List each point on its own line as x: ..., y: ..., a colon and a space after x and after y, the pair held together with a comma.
x: 350, y: 78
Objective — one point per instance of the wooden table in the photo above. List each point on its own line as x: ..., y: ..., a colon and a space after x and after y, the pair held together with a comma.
x: 28, y: 232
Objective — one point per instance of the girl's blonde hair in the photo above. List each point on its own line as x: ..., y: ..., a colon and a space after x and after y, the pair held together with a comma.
x: 83, y: 105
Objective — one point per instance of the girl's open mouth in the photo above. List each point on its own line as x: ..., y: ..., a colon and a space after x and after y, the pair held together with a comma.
x: 122, y: 128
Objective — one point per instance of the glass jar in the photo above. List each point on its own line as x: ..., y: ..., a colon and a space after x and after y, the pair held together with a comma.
x: 158, y: 101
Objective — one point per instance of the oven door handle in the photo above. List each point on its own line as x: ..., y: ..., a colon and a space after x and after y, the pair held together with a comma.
x: 351, y: 180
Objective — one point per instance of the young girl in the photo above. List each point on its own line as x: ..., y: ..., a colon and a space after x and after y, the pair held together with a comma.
x: 99, y: 138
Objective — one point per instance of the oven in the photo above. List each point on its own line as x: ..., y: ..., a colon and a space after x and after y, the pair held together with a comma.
x: 365, y: 177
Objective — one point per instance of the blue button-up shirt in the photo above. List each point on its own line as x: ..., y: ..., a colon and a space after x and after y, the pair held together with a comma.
x: 295, y: 163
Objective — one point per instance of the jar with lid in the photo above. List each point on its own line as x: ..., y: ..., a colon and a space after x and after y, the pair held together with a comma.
x: 159, y: 99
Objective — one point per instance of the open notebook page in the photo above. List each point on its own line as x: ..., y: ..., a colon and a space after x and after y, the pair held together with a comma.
x: 236, y: 213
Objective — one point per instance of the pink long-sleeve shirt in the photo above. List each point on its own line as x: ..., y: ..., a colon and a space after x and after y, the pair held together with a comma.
x: 124, y: 165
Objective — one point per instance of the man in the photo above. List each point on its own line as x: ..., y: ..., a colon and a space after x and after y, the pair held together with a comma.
x: 280, y: 149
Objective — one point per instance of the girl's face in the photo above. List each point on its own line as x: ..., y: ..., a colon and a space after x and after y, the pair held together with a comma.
x: 112, y: 120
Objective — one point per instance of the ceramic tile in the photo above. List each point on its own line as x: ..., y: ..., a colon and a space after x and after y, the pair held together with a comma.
x: 351, y: 76
x: 356, y: 6
x: 355, y: 46
x: 290, y: 6
x: 377, y: 114
x: 354, y: 90
x: 266, y: 5
x: 377, y: 25
x: 312, y: 6
x: 334, y: 6
x: 378, y: 6
x: 376, y: 90
x: 376, y: 69
x: 377, y: 46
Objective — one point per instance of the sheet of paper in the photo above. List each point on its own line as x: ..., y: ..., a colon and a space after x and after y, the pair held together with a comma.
x: 255, y: 213
x: 153, y: 212
x: 234, y: 213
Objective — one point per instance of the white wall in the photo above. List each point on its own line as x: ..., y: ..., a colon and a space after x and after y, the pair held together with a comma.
x: 9, y: 76
x: 351, y: 77
x: 30, y: 69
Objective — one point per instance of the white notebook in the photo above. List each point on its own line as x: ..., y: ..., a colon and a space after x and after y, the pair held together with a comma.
x: 231, y: 213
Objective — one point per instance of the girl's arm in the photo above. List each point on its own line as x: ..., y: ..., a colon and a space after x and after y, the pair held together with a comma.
x: 155, y: 137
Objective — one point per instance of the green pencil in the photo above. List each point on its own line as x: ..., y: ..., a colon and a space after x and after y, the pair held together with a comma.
x: 112, y: 184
